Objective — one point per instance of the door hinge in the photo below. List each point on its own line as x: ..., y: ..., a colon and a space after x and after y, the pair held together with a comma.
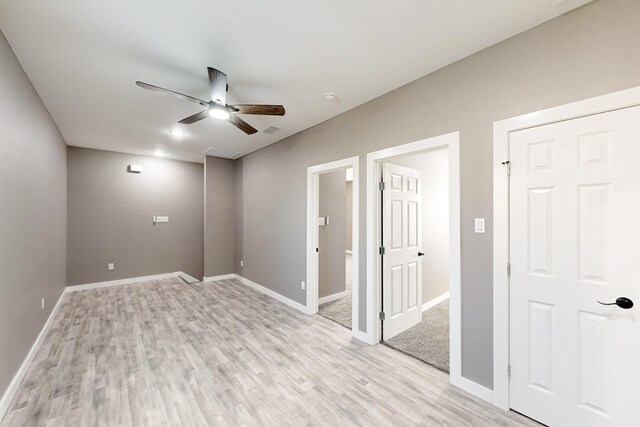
x: 381, y: 186
x: 382, y: 316
x: 381, y: 250
x: 509, y: 371
x: 509, y: 270
x: 508, y: 165
x: 317, y: 249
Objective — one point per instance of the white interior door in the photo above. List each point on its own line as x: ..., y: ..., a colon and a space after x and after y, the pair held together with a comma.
x: 402, y: 240
x: 575, y: 240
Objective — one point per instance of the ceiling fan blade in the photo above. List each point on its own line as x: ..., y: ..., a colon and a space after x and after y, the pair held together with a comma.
x: 218, y: 83
x: 242, y: 125
x: 172, y: 93
x: 264, y: 110
x: 196, y: 117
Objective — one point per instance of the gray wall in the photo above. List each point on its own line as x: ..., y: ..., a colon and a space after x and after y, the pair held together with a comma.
x: 588, y: 52
x: 434, y: 169
x: 332, y: 242
x: 110, y: 215
x: 33, y: 214
x: 239, y: 216
x: 219, y: 226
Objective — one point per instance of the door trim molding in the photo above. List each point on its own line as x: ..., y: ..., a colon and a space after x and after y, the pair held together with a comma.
x: 451, y: 141
x: 313, y: 195
x: 501, y: 130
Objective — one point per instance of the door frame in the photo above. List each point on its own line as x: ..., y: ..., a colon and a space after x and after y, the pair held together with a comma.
x: 501, y: 222
x: 313, y: 211
x: 450, y: 141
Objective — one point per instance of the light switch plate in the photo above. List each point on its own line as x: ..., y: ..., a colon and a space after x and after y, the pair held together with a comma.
x: 479, y: 225
x: 110, y: 266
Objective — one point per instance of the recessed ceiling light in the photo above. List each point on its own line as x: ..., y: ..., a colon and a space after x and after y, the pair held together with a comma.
x: 159, y: 153
x: 177, y: 133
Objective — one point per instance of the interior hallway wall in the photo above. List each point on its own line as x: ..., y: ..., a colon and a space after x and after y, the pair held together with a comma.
x: 332, y: 239
x: 588, y: 52
x: 110, y: 216
x: 33, y: 214
x: 434, y: 169
x: 220, y: 221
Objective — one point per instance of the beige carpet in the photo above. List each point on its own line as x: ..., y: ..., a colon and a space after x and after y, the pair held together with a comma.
x: 428, y: 340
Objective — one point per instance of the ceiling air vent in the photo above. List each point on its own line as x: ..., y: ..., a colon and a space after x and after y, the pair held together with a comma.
x: 225, y: 154
x: 271, y: 129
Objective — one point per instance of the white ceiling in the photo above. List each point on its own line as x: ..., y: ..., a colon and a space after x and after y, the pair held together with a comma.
x: 83, y: 58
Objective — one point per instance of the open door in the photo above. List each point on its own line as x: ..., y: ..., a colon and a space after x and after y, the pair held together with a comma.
x: 401, y: 240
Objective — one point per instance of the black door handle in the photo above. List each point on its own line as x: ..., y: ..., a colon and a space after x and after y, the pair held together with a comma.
x: 622, y: 302
x: 420, y: 253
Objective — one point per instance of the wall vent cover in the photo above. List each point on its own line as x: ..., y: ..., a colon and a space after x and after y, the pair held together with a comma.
x: 271, y: 129
x: 225, y: 154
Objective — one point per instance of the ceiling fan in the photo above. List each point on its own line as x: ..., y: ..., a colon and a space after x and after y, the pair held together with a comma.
x: 218, y: 107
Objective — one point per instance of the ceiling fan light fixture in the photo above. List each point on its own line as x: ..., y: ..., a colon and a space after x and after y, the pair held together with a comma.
x: 218, y: 107
x: 219, y: 112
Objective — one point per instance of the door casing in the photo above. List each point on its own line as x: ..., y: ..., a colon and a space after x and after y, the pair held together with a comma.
x: 501, y: 252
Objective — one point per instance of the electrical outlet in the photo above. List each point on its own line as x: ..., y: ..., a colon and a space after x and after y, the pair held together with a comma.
x: 241, y: 263
x: 42, y: 304
x: 479, y: 225
x: 303, y: 285
x: 110, y: 266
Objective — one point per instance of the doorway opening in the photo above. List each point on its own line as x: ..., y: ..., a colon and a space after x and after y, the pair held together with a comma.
x: 335, y: 256
x: 332, y: 242
x: 395, y: 248
x: 415, y: 268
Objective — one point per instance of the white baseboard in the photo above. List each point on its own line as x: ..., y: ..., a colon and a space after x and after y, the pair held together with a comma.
x: 332, y: 297
x: 216, y: 278
x: 437, y: 300
x: 187, y: 278
x: 129, y: 281
x: 11, y: 391
x: 472, y: 387
x: 291, y: 303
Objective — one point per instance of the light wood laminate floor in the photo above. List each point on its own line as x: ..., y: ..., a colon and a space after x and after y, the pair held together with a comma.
x: 169, y: 354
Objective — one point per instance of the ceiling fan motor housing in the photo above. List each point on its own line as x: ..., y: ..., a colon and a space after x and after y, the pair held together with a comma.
x: 217, y: 105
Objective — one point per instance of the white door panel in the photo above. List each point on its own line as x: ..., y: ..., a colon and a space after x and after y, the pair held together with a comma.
x: 574, y: 240
x: 402, y: 239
